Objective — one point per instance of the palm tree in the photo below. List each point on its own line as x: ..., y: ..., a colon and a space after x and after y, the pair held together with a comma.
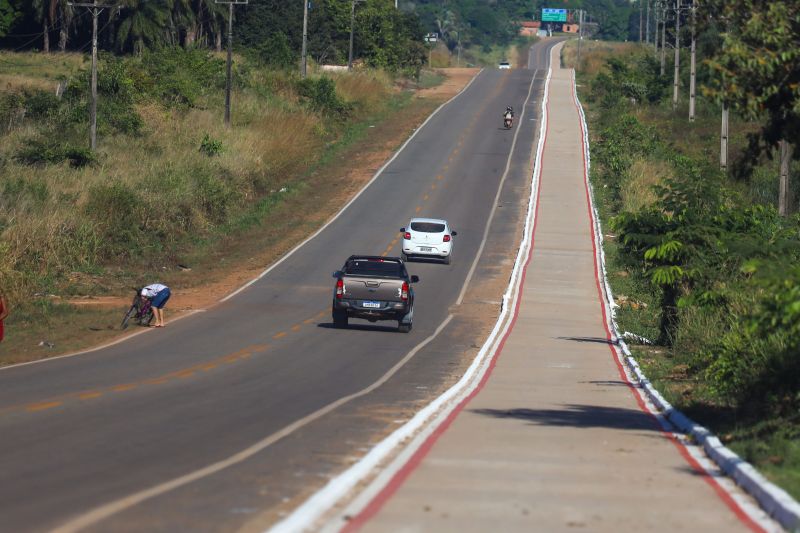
x: 143, y: 21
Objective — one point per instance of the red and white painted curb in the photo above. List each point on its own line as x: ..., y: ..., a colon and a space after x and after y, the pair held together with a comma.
x: 774, y: 501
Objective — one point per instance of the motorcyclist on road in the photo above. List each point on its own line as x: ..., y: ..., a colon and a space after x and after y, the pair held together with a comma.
x: 508, y: 116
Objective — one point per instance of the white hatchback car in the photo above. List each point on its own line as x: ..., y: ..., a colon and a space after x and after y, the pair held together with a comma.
x: 428, y: 238
x: 504, y: 65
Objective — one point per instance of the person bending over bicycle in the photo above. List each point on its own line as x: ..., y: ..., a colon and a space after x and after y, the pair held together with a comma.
x: 158, y: 295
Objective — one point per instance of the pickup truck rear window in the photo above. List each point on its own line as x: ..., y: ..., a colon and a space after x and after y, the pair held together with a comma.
x: 372, y: 267
x: 427, y: 227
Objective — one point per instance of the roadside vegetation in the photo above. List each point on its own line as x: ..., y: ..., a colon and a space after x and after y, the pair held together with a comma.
x: 703, y: 267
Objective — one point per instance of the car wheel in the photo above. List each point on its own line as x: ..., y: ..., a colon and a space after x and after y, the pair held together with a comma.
x: 403, y: 327
x: 404, y: 257
x: 447, y: 260
x: 339, y: 319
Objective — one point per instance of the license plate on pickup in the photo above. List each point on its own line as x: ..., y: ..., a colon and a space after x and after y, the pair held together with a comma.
x: 371, y: 305
x: 425, y: 249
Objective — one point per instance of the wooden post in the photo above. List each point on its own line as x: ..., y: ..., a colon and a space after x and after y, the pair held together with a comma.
x: 723, y: 148
x: 676, y: 79
x: 784, y: 194
x: 663, y: 41
x: 692, y: 68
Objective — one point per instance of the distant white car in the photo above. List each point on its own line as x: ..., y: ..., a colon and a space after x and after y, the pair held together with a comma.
x: 504, y: 65
x: 428, y: 238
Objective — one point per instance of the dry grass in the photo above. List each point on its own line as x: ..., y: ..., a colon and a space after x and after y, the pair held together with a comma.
x: 644, y: 175
x: 594, y: 54
x: 35, y: 70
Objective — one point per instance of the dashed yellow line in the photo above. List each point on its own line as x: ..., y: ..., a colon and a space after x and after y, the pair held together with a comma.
x: 41, y: 406
x: 296, y: 327
x: 89, y: 395
x: 418, y: 209
x: 309, y: 321
x: 426, y: 197
x: 124, y: 387
x: 279, y: 335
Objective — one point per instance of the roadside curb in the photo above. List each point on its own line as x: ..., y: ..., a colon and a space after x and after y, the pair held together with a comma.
x: 773, y: 500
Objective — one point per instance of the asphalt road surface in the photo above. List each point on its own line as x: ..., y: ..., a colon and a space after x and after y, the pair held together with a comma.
x: 214, y: 423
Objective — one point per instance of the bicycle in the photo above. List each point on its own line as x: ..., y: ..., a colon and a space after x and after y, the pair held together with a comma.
x: 141, y: 311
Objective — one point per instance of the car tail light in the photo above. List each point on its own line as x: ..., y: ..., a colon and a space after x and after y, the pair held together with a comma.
x: 404, y: 292
x: 446, y: 238
x: 407, y: 236
x: 339, y: 288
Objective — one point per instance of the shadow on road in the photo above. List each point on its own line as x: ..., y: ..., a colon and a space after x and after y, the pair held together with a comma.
x: 581, y: 416
x: 598, y: 340
x: 359, y: 327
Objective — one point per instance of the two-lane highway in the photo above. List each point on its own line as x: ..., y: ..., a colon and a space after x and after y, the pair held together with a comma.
x: 215, y: 420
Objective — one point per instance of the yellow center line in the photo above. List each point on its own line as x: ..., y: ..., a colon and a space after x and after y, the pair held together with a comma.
x: 309, y: 320
x: 418, y: 209
x: 88, y: 395
x: 296, y: 327
x: 209, y: 366
x: 433, y: 186
x: 439, y: 177
x: 42, y: 406
x: 279, y: 335
x: 184, y: 373
x: 124, y: 387
x: 426, y: 197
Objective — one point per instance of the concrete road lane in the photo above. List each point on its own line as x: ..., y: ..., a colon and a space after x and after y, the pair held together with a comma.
x: 84, y: 431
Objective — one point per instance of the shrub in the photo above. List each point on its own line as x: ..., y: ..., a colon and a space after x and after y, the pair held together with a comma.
x: 41, y: 104
x: 118, y: 211
x: 53, y: 151
x: 115, y: 103
x: 178, y: 77
x: 210, y: 146
x: 320, y: 95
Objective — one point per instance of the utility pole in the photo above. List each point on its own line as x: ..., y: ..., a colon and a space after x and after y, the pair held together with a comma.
x: 784, y: 198
x: 676, y: 79
x: 641, y: 21
x: 692, y: 66
x: 723, y: 148
x: 305, y: 38
x: 229, y: 66
x: 663, y: 40
x: 95, y: 9
x: 580, y: 38
x: 352, y: 25
x: 647, y: 24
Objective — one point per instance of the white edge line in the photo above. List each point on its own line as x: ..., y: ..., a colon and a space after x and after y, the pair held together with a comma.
x: 430, y: 417
x: 773, y: 500
x: 282, y: 259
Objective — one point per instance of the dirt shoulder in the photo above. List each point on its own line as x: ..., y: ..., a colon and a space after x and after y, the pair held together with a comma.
x: 83, y: 323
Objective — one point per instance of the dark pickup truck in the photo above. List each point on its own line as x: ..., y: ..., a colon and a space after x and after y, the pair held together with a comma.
x: 374, y: 288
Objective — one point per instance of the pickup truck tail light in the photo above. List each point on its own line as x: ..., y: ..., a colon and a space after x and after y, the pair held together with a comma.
x: 404, y: 292
x: 407, y: 236
x: 446, y: 238
x: 339, y: 288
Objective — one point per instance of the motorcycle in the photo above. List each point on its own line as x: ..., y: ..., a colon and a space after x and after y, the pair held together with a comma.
x: 507, y: 121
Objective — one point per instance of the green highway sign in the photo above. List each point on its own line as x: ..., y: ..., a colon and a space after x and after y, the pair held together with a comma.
x: 554, y: 15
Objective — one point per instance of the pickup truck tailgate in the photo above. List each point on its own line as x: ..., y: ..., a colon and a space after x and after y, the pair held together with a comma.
x: 364, y: 288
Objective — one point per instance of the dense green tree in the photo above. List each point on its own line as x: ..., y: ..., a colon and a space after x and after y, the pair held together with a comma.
x: 7, y: 16
x: 757, y: 69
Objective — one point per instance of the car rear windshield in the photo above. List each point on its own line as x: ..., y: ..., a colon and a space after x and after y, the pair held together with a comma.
x: 427, y: 227
x: 374, y: 267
